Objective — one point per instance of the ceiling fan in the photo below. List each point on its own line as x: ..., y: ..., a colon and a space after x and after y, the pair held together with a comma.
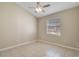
x: 39, y: 8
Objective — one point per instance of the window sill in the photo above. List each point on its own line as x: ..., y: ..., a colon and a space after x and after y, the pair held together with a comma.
x: 54, y: 33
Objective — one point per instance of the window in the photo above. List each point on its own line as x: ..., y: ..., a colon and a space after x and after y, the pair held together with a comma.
x: 53, y: 26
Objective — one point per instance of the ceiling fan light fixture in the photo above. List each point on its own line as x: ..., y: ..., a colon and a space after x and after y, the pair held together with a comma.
x: 39, y: 9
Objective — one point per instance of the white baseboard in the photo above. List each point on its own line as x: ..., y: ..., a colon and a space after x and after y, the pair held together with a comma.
x: 25, y: 43
x: 33, y: 41
x: 76, y: 49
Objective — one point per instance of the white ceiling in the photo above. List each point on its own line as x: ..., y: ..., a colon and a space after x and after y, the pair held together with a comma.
x: 55, y: 7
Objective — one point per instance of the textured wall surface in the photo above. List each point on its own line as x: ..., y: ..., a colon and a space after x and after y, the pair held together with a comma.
x: 16, y: 25
x: 69, y: 25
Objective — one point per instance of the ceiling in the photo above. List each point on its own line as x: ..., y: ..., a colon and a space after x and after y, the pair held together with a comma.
x: 55, y: 7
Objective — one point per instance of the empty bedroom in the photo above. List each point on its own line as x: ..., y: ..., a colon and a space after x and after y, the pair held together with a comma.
x: 39, y: 29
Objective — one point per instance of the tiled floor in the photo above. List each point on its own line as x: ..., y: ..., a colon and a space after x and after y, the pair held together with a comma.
x: 39, y: 50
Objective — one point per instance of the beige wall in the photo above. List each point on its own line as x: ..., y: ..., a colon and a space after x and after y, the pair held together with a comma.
x: 69, y: 25
x: 16, y: 25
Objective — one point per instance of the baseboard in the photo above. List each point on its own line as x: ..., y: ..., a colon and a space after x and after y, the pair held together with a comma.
x: 76, y: 49
x: 33, y: 41
x: 10, y: 47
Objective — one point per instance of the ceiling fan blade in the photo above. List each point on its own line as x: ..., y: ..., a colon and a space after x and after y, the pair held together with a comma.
x: 38, y: 2
x: 46, y: 5
x: 31, y: 7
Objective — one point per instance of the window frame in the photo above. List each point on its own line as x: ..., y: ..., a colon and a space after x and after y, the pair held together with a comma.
x: 53, y: 33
